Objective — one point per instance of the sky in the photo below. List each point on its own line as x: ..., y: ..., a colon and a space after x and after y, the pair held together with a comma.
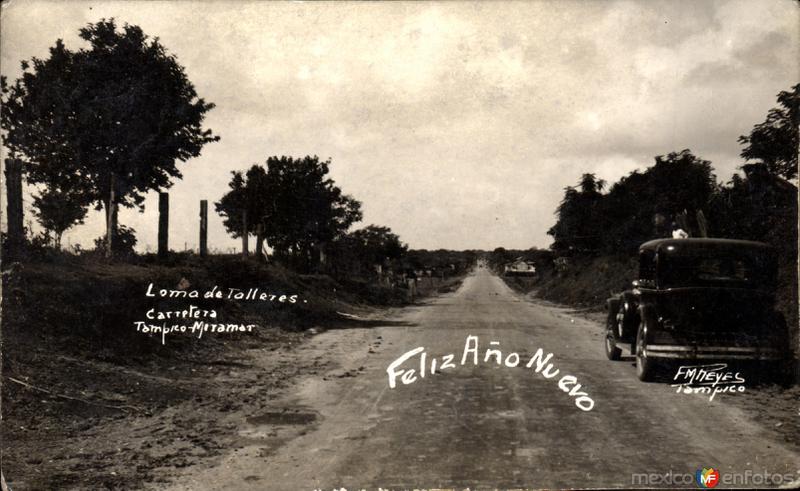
x: 456, y: 124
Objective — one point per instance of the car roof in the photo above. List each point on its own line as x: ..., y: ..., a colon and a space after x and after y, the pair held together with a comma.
x: 700, y: 243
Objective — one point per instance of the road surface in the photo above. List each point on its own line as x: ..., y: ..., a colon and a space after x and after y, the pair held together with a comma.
x: 485, y: 425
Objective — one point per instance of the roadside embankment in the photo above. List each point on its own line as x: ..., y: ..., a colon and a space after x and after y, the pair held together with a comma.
x: 83, y: 383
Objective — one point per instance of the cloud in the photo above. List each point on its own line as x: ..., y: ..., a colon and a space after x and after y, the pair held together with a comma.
x: 457, y: 124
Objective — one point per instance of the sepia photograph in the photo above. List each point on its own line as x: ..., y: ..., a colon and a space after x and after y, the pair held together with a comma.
x: 392, y: 246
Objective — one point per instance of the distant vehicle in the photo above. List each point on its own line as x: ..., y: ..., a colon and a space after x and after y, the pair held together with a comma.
x: 698, y: 300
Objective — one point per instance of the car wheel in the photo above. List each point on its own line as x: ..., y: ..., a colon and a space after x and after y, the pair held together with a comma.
x: 646, y: 368
x: 613, y: 353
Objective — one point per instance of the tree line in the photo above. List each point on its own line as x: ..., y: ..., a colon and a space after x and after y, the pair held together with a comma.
x: 100, y: 126
x: 680, y: 191
x: 301, y: 218
x: 298, y: 213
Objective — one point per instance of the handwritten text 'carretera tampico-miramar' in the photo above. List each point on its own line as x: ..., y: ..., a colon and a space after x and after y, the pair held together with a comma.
x: 539, y: 363
x: 197, y: 319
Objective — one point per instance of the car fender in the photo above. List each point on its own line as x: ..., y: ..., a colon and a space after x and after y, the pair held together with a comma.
x: 629, y: 308
x: 612, y: 307
x: 647, y: 315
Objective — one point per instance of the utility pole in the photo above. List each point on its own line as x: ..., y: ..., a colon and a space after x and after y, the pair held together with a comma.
x: 163, y: 224
x: 203, y: 228
x: 16, y: 229
x: 111, y: 216
x: 245, y: 234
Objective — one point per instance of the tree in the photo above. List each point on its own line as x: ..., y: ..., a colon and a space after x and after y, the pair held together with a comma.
x: 308, y: 209
x: 249, y: 193
x: 500, y: 256
x: 378, y: 244
x: 678, y: 181
x: 637, y: 208
x: 299, y: 208
x: 759, y: 206
x: 356, y: 253
x: 59, y: 210
x: 110, y: 121
x: 579, y: 225
x: 591, y: 185
x: 775, y: 141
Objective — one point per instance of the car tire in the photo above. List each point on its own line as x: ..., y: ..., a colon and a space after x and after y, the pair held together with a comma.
x: 646, y: 368
x: 627, y: 319
x: 613, y: 353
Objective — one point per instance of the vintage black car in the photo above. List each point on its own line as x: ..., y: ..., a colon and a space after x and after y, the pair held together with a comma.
x: 699, y: 300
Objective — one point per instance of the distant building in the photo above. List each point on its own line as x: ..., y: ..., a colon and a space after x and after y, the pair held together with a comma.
x: 519, y: 267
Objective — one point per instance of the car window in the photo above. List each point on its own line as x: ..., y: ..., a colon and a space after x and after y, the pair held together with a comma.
x: 715, y: 269
x: 746, y: 271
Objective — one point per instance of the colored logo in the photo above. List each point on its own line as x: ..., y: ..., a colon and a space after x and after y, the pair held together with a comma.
x: 707, y: 477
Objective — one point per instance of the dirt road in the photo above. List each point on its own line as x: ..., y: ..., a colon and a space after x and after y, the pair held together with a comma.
x: 485, y: 425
